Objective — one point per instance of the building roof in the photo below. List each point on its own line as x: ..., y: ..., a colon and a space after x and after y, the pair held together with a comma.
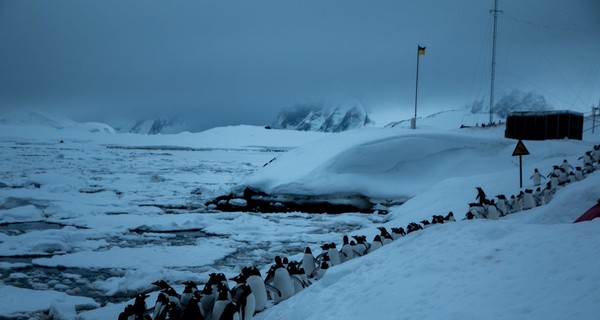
x: 543, y: 113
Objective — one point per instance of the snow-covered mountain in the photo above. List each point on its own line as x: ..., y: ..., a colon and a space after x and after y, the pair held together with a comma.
x: 151, y: 126
x: 346, y: 116
x: 516, y: 100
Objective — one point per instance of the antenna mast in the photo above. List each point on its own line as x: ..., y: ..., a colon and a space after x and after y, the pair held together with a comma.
x: 495, y: 13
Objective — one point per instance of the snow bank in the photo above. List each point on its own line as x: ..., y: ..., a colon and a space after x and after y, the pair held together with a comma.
x: 16, y: 301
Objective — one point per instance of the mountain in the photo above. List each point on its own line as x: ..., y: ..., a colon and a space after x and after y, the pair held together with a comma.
x: 306, y: 117
x: 517, y: 100
x: 151, y: 126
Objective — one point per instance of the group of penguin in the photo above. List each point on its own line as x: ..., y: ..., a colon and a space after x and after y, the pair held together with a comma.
x: 525, y: 200
x: 251, y: 293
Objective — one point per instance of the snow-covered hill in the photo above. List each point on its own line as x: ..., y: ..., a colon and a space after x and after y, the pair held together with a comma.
x: 86, y: 219
x: 345, y: 116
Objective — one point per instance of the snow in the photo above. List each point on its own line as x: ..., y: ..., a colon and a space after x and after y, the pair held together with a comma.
x: 87, y: 223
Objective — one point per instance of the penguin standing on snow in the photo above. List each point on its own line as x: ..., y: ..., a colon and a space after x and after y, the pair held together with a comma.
x: 537, y: 177
x: 385, y: 236
x: 243, y: 297
x: 282, y: 281
x: 449, y: 217
x: 346, y: 253
x: 361, y: 245
x: 528, y: 199
x: 492, y: 211
x: 578, y: 173
x: 537, y: 195
x: 547, y: 193
x: 221, y: 302
x: 333, y: 254
x: 566, y: 166
x: 376, y: 244
x: 255, y: 281
x: 398, y: 233
x: 480, y: 196
x: 502, y: 205
x: 309, y: 263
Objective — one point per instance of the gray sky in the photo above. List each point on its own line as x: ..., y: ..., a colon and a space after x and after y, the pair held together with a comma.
x: 217, y: 63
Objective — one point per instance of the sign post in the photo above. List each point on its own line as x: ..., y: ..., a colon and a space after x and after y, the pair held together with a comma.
x: 520, y: 150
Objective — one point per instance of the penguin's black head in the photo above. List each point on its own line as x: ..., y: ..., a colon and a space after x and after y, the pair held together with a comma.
x: 332, y: 245
x: 191, y: 284
x: 345, y: 239
x: 307, y: 250
x: 278, y: 261
x: 325, y: 246
x: 161, y: 284
x: 285, y: 260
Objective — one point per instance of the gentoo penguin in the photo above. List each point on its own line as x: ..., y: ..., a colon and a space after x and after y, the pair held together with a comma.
x: 578, y: 173
x: 572, y: 177
x: 528, y: 199
x: 437, y: 219
x: 160, y: 307
x: 449, y: 217
x: 425, y: 224
x: 492, y: 211
x: 320, y: 272
x: 385, y: 236
x: 244, y: 298
x: 566, y: 166
x: 206, y: 301
x: 376, y: 244
x: 502, y: 205
x: 192, y: 310
x: 547, y: 193
x: 255, y: 281
x: 346, y: 253
x: 554, y: 181
x: 296, y: 274
x: 518, y: 206
x: 138, y: 310
x: 398, y: 233
x: 309, y: 263
x: 563, y: 177
x: 361, y: 245
x: 188, y: 293
x: 512, y: 203
x: 537, y: 195
x: 173, y: 297
x: 537, y: 177
x: 221, y: 302
x: 282, y: 281
x: 480, y: 195
x: 333, y: 254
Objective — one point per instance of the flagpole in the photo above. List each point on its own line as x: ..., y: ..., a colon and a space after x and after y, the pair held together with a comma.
x: 414, y: 122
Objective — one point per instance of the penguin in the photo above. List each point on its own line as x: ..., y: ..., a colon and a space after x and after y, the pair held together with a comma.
x: 412, y: 227
x: 221, y: 302
x: 320, y: 272
x: 138, y: 309
x: 255, y: 281
x: 449, y: 217
x: 512, y: 203
x: 554, y: 181
x: 537, y: 195
x: 206, y: 301
x: 578, y: 173
x: 376, y: 244
x: 537, y: 177
x: 547, y: 193
x: 173, y: 296
x: 385, y: 236
x: 398, y: 233
x: 346, y: 253
x: 437, y: 219
x: 309, y: 263
x: 566, y: 166
x: 192, y: 310
x: 528, y: 199
x: 470, y: 215
x: 188, y: 293
x: 492, y: 211
x: 563, y: 177
x: 231, y: 312
x: 243, y: 297
x: 296, y: 274
x: 425, y: 224
x: 160, y: 307
x: 480, y: 195
x: 282, y: 281
x: 333, y: 254
x: 361, y: 245
x: 572, y: 177
x: 502, y: 205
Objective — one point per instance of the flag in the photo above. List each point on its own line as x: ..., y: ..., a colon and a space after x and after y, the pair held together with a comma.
x: 421, y: 50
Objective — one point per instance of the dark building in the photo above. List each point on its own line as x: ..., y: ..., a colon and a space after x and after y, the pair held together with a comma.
x: 543, y: 125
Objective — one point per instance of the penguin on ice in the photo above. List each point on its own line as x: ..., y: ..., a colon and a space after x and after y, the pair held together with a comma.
x: 480, y: 196
x: 255, y: 281
x: 333, y: 254
x: 566, y: 166
x: 361, y: 245
x: 282, y: 281
x: 492, y: 211
x: 376, y: 244
x: 385, y: 236
x: 243, y: 297
x: 537, y: 177
x: 578, y: 173
x: 398, y: 233
x: 309, y: 263
x: 563, y: 177
x: 502, y: 205
x: 223, y: 308
x: 547, y: 193
x: 572, y: 177
x: 537, y: 195
x: 528, y: 199
x: 346, y: 253
x: 449, y: 217
x: 320, y: 272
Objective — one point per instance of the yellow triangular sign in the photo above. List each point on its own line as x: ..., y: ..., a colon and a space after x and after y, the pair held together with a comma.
x: 520, y: 149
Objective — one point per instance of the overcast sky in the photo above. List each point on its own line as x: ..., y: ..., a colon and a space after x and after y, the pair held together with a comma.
x: 217, y: 63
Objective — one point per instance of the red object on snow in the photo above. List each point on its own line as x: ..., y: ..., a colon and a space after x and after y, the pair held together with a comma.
x: 594, y: 212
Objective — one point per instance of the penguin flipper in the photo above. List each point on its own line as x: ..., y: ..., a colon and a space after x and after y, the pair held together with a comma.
x: 302, y: 283
x: 272, y: 289
x: 320, y: 256
x: 357, y: 253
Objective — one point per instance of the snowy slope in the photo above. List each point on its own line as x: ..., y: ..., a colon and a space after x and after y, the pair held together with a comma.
x: 534, y: 264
